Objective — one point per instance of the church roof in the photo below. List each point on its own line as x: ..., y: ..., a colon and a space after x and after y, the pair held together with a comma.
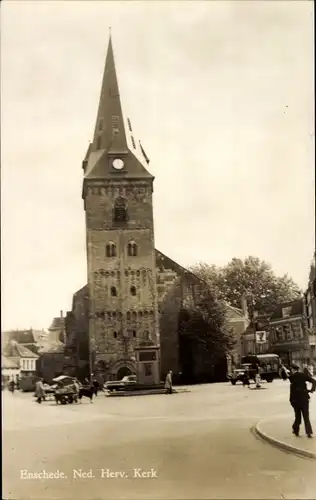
x: 113, y: 135
x: 57, y: 323
x: 54, y: 348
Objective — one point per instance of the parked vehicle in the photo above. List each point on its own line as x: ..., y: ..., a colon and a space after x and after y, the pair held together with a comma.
x: 237, y: 375
x: 65, y: 391
x: 28, y: 383
x: 269, y: 365
x: 127, y: 382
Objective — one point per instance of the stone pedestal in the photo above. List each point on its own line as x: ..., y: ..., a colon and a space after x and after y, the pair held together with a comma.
x: 148, y: 365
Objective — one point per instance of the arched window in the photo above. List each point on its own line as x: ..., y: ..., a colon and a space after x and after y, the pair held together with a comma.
x: 132, y: 249
x: 111, y: 249
x: 133, y: 290
x: 120, y: 210
x: 115, y: 335
x: 113, y: 291
x: 128, y: 315
x: 134, y: 333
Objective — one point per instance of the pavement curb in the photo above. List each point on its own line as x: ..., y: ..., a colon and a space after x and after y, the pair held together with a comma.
x: 280, y: 444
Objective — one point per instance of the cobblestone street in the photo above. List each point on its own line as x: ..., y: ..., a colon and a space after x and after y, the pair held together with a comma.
x: 198, y: 443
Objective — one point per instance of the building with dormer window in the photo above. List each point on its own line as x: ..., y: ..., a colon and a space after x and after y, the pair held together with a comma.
x: 288, y: 333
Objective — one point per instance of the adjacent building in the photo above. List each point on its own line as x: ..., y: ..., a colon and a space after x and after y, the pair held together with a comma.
x: 256, y: 338
x: 21, y: 356
x: 32, y: 339
x: 289, y: 334
x: 10, y: 370
x: 310, y: 309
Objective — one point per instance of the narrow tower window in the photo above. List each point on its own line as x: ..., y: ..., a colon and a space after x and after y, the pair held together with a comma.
x: 98, y: 142
x: 120, y: 210
x: 134, y: 333
x: 132, y: 249
x: 133, y: 290
x: 111, y: 249
x: 113, y: 291
x: 115, y: 335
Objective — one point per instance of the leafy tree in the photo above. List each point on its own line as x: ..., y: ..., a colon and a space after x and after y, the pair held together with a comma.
x: 205, y: 324
x: 252, y: 279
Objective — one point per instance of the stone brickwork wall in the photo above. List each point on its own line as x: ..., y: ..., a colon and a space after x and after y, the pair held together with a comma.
x: 176, y: 288
x: 77, y: 327
x: 122, y: 288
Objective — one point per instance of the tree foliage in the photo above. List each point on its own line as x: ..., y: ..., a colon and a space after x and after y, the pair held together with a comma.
x: 251, y: 279
x: 207, y: 325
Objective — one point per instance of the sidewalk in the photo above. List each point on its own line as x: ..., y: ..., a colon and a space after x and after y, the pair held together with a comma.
x: 278, y: 431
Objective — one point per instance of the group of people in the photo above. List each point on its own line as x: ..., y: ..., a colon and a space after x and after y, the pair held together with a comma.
x: 88, y: 389
x: 247, y: 376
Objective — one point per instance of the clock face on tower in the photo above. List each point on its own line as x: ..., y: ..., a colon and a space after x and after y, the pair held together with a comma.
x: 118, y: 164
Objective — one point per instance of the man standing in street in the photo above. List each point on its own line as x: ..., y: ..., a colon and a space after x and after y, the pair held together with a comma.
x: 168, y: 382
x: 299, y: 399
x: 39, y: 391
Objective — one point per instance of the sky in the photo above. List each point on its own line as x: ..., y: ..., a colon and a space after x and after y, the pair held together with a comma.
x: 220, y: 95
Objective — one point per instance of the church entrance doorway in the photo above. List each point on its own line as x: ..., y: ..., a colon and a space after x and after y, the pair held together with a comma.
x: 123, y: 372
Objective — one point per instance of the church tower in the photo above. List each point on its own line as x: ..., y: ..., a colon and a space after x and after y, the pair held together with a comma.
x: 118, y: 202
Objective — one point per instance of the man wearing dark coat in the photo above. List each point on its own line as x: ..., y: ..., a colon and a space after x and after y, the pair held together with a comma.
x: 299, y: 399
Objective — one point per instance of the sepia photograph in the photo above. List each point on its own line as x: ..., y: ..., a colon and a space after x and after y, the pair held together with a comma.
x: 158, y: 335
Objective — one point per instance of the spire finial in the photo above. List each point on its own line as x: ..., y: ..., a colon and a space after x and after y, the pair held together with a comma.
x: 110, y: 28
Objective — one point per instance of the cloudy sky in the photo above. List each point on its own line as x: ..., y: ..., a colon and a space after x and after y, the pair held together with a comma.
x: 221, y: 96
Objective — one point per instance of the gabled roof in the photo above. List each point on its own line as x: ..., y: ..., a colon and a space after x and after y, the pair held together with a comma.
x: 164, y: 261
x: 56, y: 348
x: 16, y: 350
x: 57, y: 323
x: 25, y: 337
x: 234, y: 312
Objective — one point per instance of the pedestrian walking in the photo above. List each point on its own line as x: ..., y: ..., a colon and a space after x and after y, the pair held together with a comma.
x: 39, y: 391
x: 12, y: 386
x: 168, y: 382
x: 96, y: 386
x: 284, y: 372
x: 299, y: 399
x: 76, y: 387
x: 246, y: 379
x: 258, y: 377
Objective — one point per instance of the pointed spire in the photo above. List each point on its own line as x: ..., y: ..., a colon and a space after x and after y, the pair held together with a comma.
x: 109, y: 131
x: 113, y: 137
